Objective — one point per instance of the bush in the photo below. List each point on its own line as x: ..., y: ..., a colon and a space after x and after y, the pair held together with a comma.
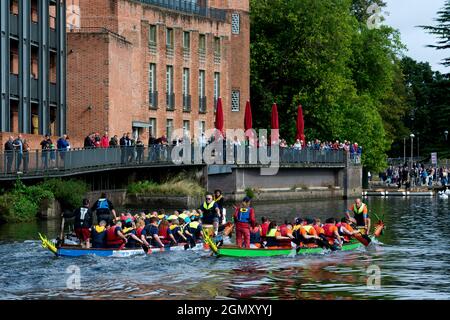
x: 22, y: 203
x: 174, y: 187
x: 250, y: 193
x: 69, y: 193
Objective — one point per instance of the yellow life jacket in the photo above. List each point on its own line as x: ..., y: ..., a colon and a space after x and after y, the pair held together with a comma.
x: 359, y: 210
x: 126, y: 230
x: 217, y: 199
x: 307, y: 228
x: 208, y: 207
x: 271, y: 233
x: 194, y: 224
x: 99, y: 229
x: 296, y: 227
x: 173, y: 226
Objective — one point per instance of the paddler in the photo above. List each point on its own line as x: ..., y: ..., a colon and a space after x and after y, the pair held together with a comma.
x: 360, y: 215
x: 98, y: 234
x: 244, y: 218
x: 132, y: 237
x: 174, y: 231
x: 115, y: 237
x: 307, y: 233
x: 273, y: 236
x: 345, y: 229
x: 331, y: 232
x: 150, y: 233
x: 210, y: 212
x: 192, y: 230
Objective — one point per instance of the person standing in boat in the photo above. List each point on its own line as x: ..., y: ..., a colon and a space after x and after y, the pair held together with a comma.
x: 244, y: 218
x: 103, y: 208
x: 83, y: 223
x: 210, y: 212
x: 361, y: 216
x: 218, y: 198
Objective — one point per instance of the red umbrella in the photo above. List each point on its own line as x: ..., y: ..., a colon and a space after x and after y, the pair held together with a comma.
x: 248, y: 117
x: 274, y: 123
x: 219, y: 116
x: 300, y: 125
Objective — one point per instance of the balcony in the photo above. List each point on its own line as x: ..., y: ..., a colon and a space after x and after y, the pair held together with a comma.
x: 170, y: 101
x: 189, y: 7
x: 201, y: 104
x: 153, y: 100
x: 187, y: 103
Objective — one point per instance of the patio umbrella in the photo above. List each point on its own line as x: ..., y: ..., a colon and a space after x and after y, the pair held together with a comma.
x: 219, y: 116
x: 300, y: 125
x: 248, y: 121
x: 274, y: 123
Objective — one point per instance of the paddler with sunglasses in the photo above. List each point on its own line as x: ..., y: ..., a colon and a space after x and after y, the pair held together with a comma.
x: 210, y: 213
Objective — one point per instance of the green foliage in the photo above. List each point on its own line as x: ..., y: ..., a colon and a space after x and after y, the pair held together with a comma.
x: 172, y: 187
x: 22, y: 203
x: 442, y: 30
x: 322, y: 55
x: 249, y: 192
x: 69, y: 193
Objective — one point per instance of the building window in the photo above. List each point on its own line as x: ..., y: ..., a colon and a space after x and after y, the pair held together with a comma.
x: 186, y: 127
x: 216, y: 88
x: 186, y: 41
x: 152, y: 128
x: 169, y: 129
x: 202, y: 44
x: 235, y: 23
x: 235, y: 100
x: 169, y: 88
x: 169, y: 38
x: 217, y: 46
x: 185, y: 89
x: 153, y: 95
x: 202, y: 126
x: 152, y: 35
x: 201, y: 91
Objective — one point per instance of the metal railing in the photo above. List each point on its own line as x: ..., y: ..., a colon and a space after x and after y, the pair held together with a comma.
x: 189, y: 7
x: 57, y: 162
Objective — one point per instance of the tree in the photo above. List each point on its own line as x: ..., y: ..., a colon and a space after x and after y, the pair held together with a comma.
x: 441, y: 30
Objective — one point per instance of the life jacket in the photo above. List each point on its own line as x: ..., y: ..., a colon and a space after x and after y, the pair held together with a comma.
x: 139, y: 232
x: 264, y: 229
x: 255, y: 235
x: 271, y: 233
x: 244, y: 215
x: 102, y: 204
x: 319, y: 229
x: 359, y: 210
x: 328, y: 230
x: 208, y: 206
x: 112, y: 238
x: 346, y: 226
x: 194, y: 225
x: 218, y: 198
x: 309, y: 229
x: 162, y: 232
x: 283, y: 230
x: 98, y: 235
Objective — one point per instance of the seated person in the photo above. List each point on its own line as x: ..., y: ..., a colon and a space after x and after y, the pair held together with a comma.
x: 133, y: 240
x: 273, y: 236
x: 255, y: 236
x: 174, y: 231
x: 150, y: 234
x: 98, y: 234
x: 115, y: 237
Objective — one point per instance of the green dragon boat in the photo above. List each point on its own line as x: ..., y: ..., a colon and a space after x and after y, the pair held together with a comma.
x: 234, y: 251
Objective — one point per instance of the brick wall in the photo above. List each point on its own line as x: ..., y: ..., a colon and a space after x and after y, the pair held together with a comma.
x: 111, y: 73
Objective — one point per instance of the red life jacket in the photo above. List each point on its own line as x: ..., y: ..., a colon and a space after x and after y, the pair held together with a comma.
x: 139, y: 232
x: 327, y: 228
x: 112, y: 238
x: 264, y: 229
x: 162, y: 232
x: 283, y: 230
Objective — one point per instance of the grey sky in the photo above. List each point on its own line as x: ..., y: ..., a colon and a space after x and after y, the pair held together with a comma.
x: 404, y: 15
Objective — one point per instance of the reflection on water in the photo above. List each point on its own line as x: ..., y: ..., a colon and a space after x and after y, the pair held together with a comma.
x: 412, y: 256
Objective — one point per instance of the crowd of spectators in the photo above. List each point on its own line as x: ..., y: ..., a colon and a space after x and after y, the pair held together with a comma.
x: 416, y: 176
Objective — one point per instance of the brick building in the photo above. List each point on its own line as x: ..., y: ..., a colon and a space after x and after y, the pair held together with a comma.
x: 32, y: 69
x: 156, y: 65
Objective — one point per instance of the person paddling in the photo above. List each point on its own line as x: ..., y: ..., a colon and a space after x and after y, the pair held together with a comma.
x: 331, y: 232
x: 115, y: 237
x: 98, y: 234
x: 150, y: 233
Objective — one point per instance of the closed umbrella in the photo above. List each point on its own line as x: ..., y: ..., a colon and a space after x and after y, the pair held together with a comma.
x: 219, y: 116
x: 248, y: 121
x: 300, y: 125
x: 274, y: 123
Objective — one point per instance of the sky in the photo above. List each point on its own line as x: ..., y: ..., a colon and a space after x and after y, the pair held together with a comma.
x: 404, y: 15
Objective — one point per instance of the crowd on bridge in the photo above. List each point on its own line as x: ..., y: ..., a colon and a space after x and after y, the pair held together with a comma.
x: 415, y: 176
x: 17, y: 150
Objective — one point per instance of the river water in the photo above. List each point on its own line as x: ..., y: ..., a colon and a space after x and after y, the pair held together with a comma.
x: 412, y: 257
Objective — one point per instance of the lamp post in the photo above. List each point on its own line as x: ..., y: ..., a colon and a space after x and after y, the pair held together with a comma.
x: 446, y: 134
x: 412, y: 147
x: 404, y: 150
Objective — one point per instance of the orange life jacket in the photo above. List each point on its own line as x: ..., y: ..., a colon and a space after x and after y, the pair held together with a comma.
x: 112, y: 238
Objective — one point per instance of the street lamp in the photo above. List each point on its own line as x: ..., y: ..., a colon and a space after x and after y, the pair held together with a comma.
x: 412, y: 147
x: 446, y: 134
